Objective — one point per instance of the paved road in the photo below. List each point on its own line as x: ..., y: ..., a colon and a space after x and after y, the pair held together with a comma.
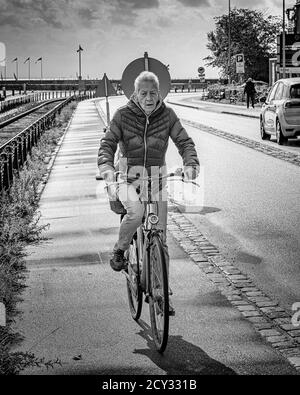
x: 76, y: 306
x: 214, y: 114
x: 251, y: 203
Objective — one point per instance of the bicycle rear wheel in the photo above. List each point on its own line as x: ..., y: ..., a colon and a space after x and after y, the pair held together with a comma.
x: 134, y: 291
x: 159, y: 295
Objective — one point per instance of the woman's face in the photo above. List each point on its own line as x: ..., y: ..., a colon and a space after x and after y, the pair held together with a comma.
x: 147, y: 96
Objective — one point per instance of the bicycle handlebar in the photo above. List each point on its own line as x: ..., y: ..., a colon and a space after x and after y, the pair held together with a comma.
x: 124, y: 177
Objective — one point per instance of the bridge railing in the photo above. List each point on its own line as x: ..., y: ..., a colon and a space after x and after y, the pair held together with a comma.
x: 14, y: 153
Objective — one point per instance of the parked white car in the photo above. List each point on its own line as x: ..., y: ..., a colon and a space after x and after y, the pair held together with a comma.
x: 280, y: 114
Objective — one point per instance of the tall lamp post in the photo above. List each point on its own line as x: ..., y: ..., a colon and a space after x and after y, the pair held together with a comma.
x: 283, y: 39
x: 79, y: 50
x: 229, y: 40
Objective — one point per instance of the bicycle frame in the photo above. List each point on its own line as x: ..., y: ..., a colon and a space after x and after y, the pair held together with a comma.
x: 144, y: 233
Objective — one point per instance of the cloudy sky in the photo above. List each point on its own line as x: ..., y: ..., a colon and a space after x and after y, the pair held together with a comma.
x: 112, y: 33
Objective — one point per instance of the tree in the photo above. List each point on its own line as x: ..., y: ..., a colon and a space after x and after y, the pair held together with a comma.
x: 253, y: 34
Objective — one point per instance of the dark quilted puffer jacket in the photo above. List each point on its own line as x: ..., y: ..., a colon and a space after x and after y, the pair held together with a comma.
x: 144, y: 140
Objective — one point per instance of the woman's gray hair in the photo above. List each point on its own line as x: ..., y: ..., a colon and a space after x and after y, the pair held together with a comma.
x: 146, y: 76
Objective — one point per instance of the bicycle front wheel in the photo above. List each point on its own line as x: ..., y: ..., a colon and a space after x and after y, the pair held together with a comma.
x: 159, y: 295
x: 134, y: 291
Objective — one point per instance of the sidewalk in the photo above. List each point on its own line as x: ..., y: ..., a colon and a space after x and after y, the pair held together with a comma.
x: 75, y: 307
x: 232, y: 109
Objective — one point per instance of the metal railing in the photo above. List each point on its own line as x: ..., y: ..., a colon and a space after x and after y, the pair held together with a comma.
x: 18, y: 101
x: 14, y: 153
x: 40, y: 96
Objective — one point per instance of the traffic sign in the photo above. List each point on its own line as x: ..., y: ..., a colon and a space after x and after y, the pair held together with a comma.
x: 202, y: 79
x: 146, y: 64
x: 201, y: 70
x: 240, y: 63
x: 105, y: 88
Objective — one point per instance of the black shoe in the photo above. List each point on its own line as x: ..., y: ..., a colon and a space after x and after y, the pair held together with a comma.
x: 118, y: 262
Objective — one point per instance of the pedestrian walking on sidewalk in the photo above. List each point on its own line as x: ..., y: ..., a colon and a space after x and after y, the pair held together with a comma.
x: 250, y: 92
x: 142, y: 129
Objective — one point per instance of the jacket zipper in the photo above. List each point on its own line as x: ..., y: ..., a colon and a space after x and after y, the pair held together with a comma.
x: 145, y: 154
x: 145, y: 140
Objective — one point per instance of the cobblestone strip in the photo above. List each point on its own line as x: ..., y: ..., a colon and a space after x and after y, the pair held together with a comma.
x: 270, y: 320
x: 290, y: 157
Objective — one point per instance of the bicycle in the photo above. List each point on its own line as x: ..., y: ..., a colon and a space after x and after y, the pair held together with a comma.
x: 147, y: 271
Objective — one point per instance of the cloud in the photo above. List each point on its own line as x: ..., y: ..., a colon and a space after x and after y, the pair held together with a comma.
x: 66, y: 14
x: 195, y: 3
x: 164, y: 22
x: 22, y: 13
x: 137, y: 4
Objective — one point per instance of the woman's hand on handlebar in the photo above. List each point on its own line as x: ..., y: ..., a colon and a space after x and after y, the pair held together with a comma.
x: 109, y: 176
x: 190, y: 173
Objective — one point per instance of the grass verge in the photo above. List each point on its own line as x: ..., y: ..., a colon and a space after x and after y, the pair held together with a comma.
x: 19, y: 228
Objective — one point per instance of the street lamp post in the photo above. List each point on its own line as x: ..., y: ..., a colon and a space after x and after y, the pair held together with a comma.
x: 229, y: 39
x: 283, y: 40
x: 79, y: 50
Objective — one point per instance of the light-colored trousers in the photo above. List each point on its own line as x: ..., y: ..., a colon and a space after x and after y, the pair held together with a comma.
x: 135, y: 204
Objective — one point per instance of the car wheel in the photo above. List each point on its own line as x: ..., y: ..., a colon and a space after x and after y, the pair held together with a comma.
x: 263, y: 134
x: 280, y: 138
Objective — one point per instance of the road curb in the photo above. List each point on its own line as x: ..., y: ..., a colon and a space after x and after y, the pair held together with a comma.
x: 275, y: 152
x: 221, y: 112
x: 241, y: 115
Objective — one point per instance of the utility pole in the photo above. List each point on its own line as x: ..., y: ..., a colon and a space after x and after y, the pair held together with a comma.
x: 229, y: 40
x: 283, y: 40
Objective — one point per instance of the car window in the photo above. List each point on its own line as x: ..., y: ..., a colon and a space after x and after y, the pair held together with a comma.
x: 272, y: 93
x: 279, y: 92
x: 285, y: 91
x: 295, y: 91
